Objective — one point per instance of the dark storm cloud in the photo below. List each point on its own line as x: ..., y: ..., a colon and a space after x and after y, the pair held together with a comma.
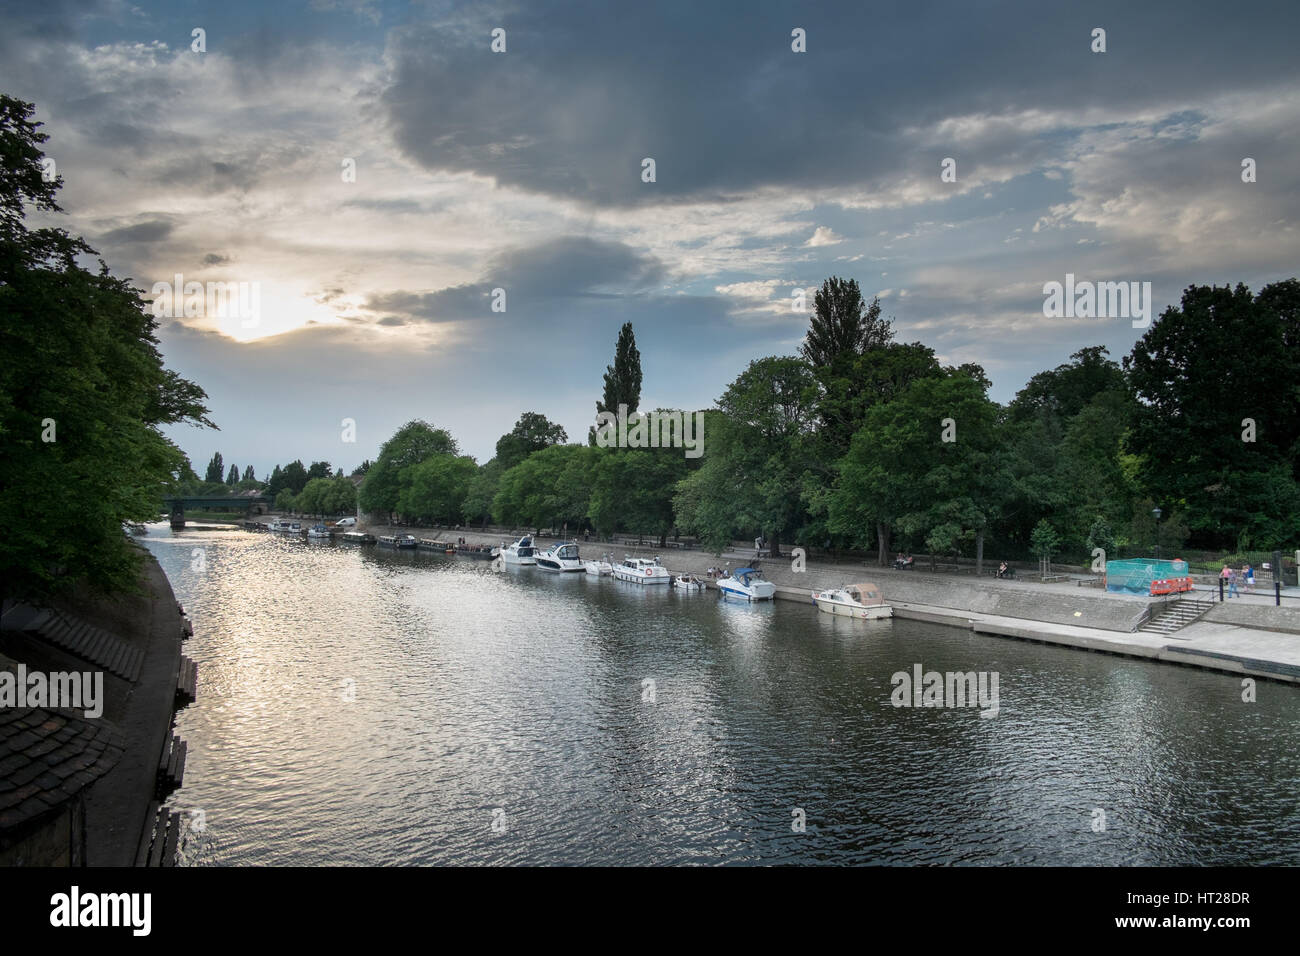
x: 154, y: 230
x: 715, y: 95
x: 570, y: 267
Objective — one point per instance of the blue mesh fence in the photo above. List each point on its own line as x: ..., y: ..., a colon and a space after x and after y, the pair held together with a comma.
x: 1135, y: 575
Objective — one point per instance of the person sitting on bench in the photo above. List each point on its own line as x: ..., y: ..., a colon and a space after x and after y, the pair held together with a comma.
x: 1006, y: 571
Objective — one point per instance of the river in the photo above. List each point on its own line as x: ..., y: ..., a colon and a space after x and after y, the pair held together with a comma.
x: 364, y: 706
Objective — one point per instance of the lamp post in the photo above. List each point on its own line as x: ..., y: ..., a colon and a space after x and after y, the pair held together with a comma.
x: 1155, y: 513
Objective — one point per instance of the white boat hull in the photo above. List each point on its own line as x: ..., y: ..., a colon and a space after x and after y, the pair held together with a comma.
x: 758, y: 591
x: 599, y: 568
x: 509, y: 557
x: 551, y: 564
x: 874, y: 612
x: 640, y: 577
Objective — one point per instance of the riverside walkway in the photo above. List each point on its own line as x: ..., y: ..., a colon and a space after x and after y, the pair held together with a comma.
x: 1245, y: 635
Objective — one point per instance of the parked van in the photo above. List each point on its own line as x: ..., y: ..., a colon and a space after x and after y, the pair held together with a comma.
x: 346, y: 523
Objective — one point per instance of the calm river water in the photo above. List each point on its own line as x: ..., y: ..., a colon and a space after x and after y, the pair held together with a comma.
x: 362, y: 706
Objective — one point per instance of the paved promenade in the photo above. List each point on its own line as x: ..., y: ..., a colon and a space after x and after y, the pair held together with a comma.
x: 1246, y: 635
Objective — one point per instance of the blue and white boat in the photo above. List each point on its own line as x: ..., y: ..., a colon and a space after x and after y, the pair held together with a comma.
x: 747, y: 583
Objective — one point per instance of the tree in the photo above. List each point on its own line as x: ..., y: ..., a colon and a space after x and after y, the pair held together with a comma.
x: 284, y: 501
x: 319, y: 469
x: 312, y: 500
x: 633, y: 488
x: 435, y: 489
x: 623, y: 378
x: 531, y: 433
x: 928, y: 463
x: 482, y: 489
x: 758, y: 449
x: 215, y: 469
x: 343, y: 496
x: 1067, y: 389
x: 842, y: 324
x: 295, y: 476
x: 1218, y: 417
x: 233, y: 478
x: 276, y: 482
x: 248, y: 473
x: 411, y: 444
x: 1045, y: 541
x: 362, y: 468
x: 83, y: 394
x: 548, y: 489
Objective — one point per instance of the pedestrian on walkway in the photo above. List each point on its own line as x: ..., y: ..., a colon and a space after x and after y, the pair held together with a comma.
x: 1232, y: 583
x: 1249, y: 573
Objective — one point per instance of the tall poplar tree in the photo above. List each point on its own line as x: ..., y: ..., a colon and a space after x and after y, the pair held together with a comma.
x: 623, y: 378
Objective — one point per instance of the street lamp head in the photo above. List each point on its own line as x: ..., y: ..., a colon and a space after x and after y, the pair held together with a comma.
x: 1156, y: 512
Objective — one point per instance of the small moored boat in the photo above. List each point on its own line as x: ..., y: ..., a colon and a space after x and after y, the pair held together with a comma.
x: 642, y: 571
x: 600, y: 568
x: 521, y: 552
x: 357, y: 537
x: 747, y: 583
x: 397, y: 541
x: 561, y: 557
x: 688, y: 582
x: 318, y: 532
x: 862, y: 601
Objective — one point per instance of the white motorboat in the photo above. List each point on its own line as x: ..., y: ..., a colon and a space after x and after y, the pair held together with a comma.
x: 600, y: 568
x: 862, y: 601
x: 284, y: 526
x: 747, y: 583
x: 688, y: 582
x: 521, y: 552
x: 318, y: 532
x: 560, y: 557
x: 642, y: 571
x: 397, y: 541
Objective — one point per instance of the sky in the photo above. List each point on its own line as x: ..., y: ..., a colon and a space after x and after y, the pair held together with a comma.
x: 375, y: 170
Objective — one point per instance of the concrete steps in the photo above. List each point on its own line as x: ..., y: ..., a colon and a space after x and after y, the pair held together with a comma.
x: 1176, y: 616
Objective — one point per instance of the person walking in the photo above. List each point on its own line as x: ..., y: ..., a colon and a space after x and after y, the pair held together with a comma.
x: 1232, y: 583
x: 1249, y: 573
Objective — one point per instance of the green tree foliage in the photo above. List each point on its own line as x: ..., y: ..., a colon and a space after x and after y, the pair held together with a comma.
x: 901, y: 473
x: 623, y: 378
x: 549, y: 489
x: 319, y: 469
x: 632, y: 489
x: 295, y: 476
x: 1044, y: 539
x: 83, y: 394
x: 215, y: 470
x: 435, y: 489
x: 411, y: 444
x: 232, y: 478
x: 1221, y: 357
x: 248, y: 473
x: 362, y: 468
x: 843, y: 325
x: 531, y: 433
x: 755, y: 455
x: 327, y: 497
x: 482, y: 490
x: 285, y: 502
x: 275, y: 483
